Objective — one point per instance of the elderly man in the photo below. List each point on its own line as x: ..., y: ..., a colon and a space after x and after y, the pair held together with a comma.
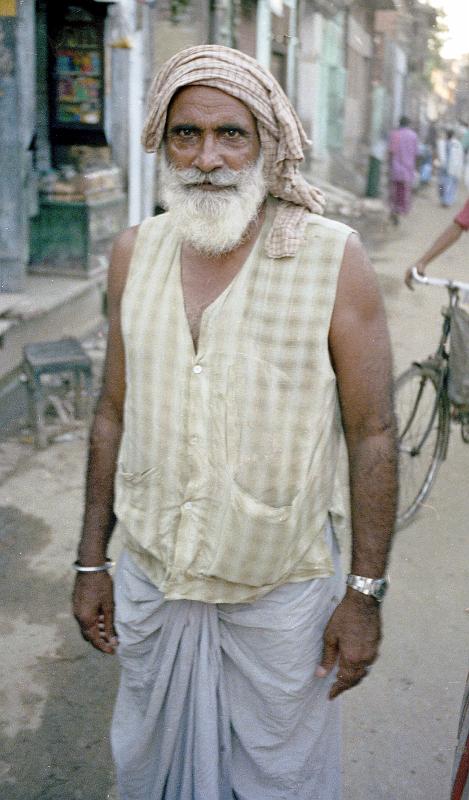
x: 246, y: 333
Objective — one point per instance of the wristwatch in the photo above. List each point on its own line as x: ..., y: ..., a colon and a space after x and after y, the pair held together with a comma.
x: 374, y: 587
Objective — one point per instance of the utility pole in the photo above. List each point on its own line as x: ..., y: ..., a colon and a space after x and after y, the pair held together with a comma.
x: 291, y: 50
x: 221, y: 22
x: 263, y: 33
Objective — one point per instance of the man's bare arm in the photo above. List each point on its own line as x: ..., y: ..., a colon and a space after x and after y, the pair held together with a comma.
x: 93, y: 596
x: 361, y: 356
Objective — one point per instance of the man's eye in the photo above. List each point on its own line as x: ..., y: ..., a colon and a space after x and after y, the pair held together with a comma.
x: 183, y: 133
x: 232, y: 133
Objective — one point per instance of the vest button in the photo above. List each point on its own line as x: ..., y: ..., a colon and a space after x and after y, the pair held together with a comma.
x: 197, y: 369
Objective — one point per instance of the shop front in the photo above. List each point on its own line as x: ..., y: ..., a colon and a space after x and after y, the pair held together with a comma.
x: 81, y: 203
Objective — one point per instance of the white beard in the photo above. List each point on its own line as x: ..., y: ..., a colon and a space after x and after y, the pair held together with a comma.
x: 214, y: 222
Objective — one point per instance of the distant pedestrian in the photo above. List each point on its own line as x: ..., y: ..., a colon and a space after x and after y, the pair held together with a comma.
x: 425, y: 162
x: 431, y: 138
x: 402, y: 149
x: 464, y: 135
x: 451, y: 158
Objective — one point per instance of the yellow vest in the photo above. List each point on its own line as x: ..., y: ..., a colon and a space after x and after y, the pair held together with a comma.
x: 227, y: 464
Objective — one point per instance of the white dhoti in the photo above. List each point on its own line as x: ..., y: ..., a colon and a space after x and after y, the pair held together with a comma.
x: 220, y: 702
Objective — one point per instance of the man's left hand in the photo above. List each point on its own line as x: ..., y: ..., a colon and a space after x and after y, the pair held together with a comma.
x: 351, y: 639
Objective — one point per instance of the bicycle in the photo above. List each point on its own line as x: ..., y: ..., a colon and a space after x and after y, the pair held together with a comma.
x: 424, y: 413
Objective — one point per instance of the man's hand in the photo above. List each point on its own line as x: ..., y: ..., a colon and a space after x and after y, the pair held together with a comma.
x: 93, y: 608
x: 351, y: 637
x: 409, y: 281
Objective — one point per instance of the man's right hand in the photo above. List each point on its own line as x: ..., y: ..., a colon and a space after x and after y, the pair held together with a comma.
x: 93, y: 608
x: 419, y: 266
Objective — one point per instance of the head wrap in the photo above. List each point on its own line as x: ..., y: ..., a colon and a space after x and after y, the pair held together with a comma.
x: 280, y: 131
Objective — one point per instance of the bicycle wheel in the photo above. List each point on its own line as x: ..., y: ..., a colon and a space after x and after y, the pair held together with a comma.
x: 422, y: 413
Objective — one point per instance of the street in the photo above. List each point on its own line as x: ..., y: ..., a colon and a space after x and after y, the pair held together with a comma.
x: 400, y: 724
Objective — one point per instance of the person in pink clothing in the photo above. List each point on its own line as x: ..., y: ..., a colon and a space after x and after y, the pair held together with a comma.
x: 402, y: 149
x: 449, y: 236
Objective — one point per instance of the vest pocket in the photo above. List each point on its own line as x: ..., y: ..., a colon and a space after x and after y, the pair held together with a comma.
x: 132, y: 493
x: 255, y: 542
x: 268, y: 434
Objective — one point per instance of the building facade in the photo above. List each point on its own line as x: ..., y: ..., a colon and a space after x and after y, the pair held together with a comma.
x: 73, y: 81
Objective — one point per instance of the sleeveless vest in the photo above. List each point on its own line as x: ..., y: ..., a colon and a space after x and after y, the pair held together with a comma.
x: 227, y: 465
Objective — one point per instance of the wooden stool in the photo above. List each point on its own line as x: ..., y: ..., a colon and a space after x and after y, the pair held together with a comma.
x: 53, y: 370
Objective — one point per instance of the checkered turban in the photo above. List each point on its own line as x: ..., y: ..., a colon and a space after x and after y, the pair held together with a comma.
x: 280, y: 131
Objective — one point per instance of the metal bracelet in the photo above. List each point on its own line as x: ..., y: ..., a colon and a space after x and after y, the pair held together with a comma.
x: 101, y: 568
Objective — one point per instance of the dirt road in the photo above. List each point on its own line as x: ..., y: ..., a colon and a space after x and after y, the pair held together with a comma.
x: 400, y: 725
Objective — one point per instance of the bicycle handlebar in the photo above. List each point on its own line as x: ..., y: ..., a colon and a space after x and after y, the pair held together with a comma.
x: 446, y: 282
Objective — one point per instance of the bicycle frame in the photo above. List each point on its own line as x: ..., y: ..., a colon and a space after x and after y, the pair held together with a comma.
x: 453, y: 289
x: 438, y: 363
x: 423, y: 407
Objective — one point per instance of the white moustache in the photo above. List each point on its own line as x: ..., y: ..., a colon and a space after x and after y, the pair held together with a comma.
x: 223, y: 178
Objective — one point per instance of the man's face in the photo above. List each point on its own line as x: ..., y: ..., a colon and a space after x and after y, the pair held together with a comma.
x: 209, y: 129
x: 211, y: 173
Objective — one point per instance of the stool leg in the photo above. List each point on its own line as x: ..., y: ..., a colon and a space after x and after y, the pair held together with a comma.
x: 80, y: 409
x: 31, y: 405
x: 88, y: 376
x: 83, y: 384
x: 36, y: 409
x: 78, y: 400
x: 41, y: 429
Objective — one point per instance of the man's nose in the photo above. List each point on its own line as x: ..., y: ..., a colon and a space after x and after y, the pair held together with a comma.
x: 208, y: 156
